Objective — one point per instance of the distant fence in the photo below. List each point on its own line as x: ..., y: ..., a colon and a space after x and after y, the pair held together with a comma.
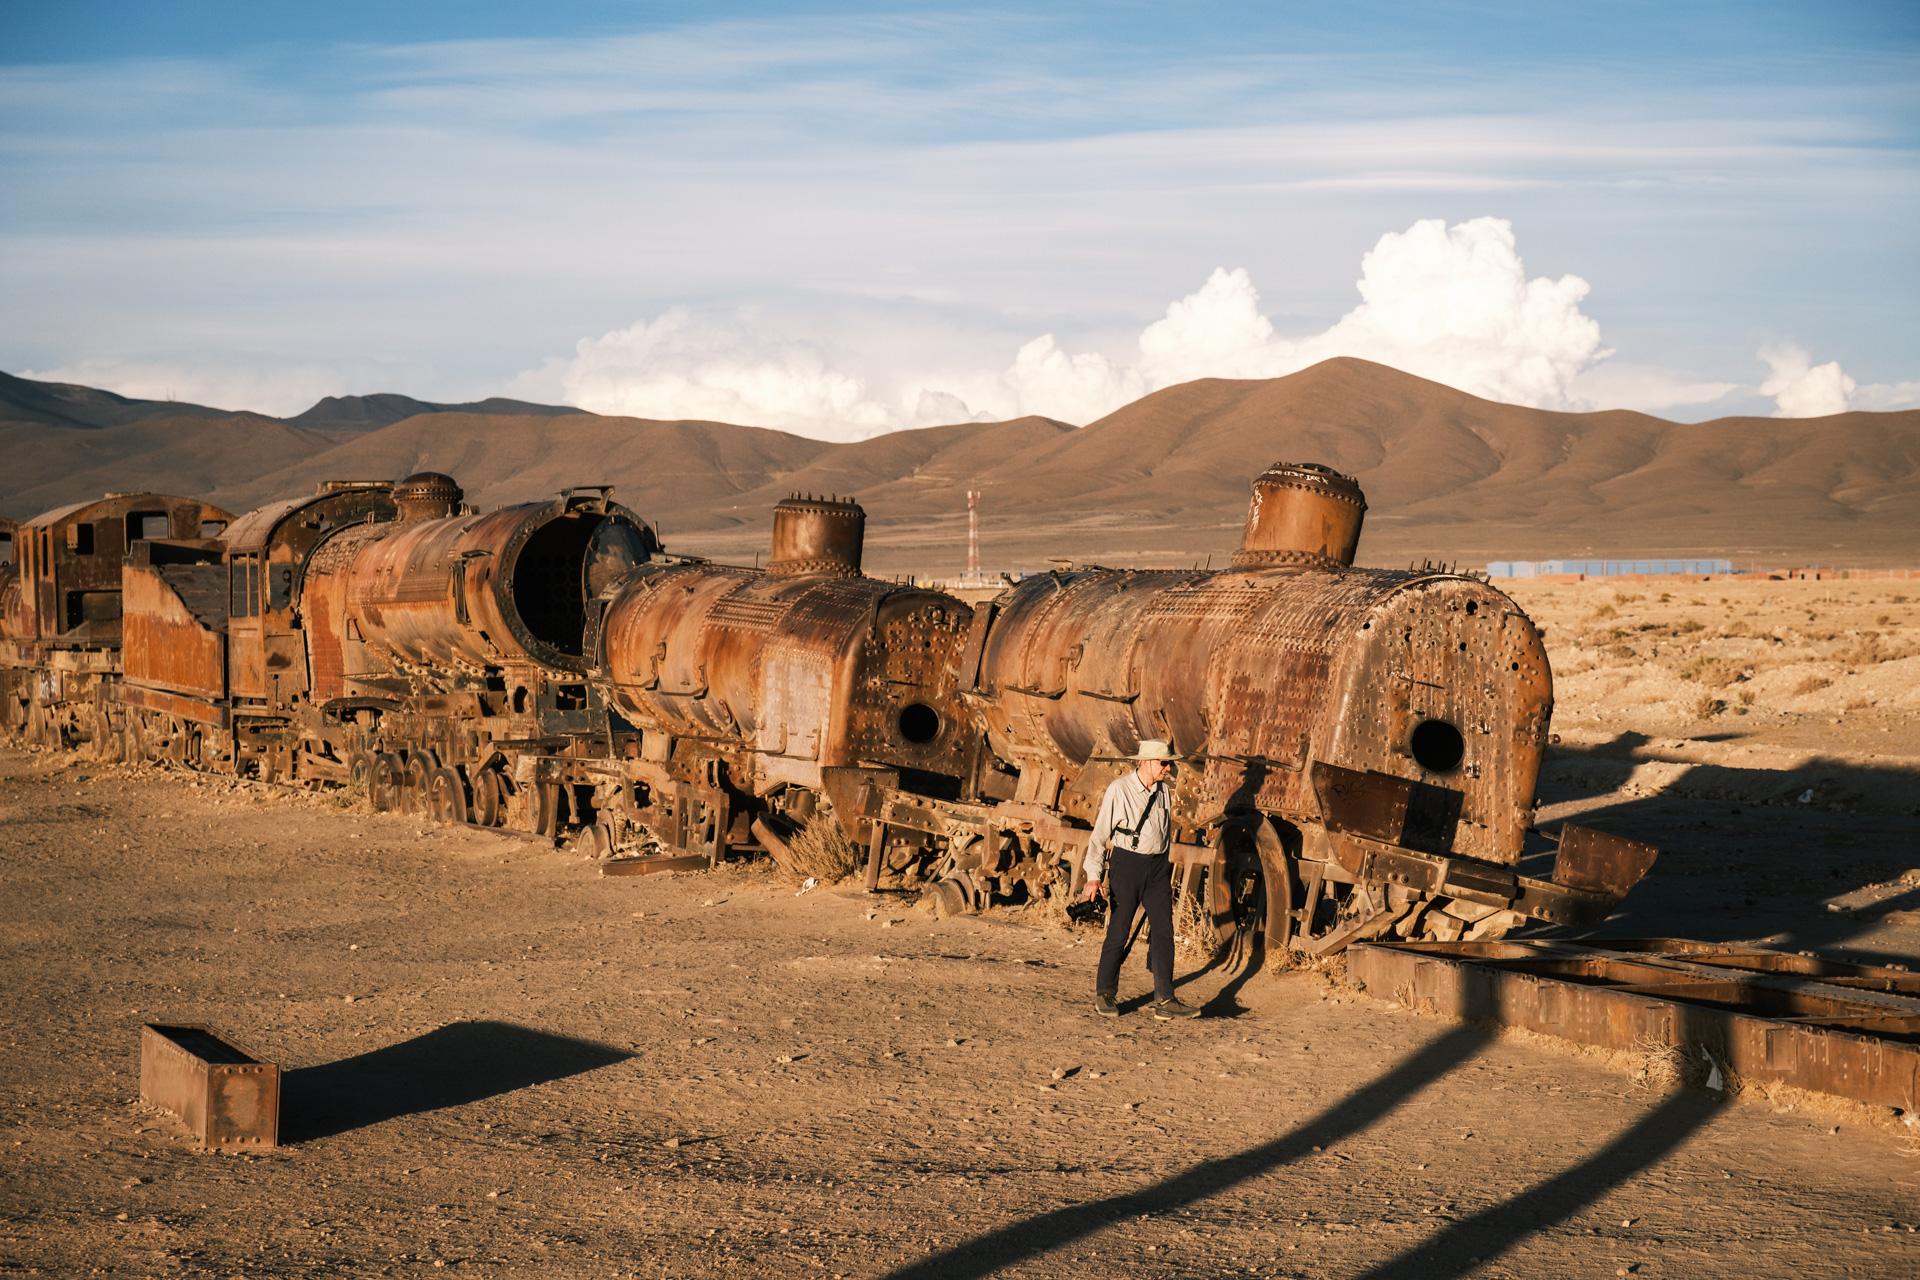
x: 1606, y: 568
x: 1561, y: 569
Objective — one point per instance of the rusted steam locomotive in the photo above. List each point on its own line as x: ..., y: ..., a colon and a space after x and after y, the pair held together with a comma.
x: 1363, y: 744
x: 60, y: 605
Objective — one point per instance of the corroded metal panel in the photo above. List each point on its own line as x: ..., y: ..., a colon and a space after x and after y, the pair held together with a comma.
x: 905, y: 709
x: 1446, y: 684
x: 168, y: 645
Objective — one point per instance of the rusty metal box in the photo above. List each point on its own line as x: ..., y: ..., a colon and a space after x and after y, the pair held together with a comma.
x: 228, y: 1097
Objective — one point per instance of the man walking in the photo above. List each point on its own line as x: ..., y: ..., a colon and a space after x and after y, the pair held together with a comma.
x: 1136, y: 825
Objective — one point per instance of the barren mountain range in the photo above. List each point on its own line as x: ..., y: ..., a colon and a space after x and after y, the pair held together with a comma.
x: 1162, y: 481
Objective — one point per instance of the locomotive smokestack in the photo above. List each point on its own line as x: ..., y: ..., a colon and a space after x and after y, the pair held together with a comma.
x: 1302, y: 514
x: 817, y: 536
x: 427, y: 495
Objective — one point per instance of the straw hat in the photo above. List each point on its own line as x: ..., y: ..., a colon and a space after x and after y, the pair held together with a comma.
x: 1154, y: 749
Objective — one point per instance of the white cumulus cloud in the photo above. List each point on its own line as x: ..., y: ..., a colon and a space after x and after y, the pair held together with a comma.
x: 688, y: 366
x: 1802, y: 389
x: 1453, y: 304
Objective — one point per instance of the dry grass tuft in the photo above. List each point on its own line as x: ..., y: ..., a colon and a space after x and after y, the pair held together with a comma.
x: 1194, y: 937
x: 1812, y: 684
x: 1706, y: 707
x: 820, y: 851
x: 1660, y: 1066
x: 1714, y: 673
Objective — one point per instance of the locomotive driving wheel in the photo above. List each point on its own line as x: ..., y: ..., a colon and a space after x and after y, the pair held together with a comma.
x: 360, y: 774
x: 1234, y: 898
x: 487, y: 797
x: 413, y: 785
x: 384, y: 783
x: 446, y: 795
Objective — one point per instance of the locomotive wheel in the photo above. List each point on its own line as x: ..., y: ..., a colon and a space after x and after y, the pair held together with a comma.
x: 486, y: 800
x: 40, y: 731
x: 546, y: 817
x: 384, y: 783
x: 1233, y: 896
x: 107, y: 744
x: 413, y: 786
x: 360, y: 774
x: 446, y: 795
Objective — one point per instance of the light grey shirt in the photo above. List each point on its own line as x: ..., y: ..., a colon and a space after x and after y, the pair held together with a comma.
x: 1120, y: 813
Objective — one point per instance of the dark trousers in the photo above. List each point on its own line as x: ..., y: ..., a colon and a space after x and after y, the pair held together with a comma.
x: 1133, y: 880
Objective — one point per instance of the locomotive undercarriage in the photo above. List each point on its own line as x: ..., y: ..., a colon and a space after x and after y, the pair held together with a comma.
x: 1247, y: 877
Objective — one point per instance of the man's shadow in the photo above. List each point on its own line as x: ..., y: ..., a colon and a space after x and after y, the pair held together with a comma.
x: 456, y: 1064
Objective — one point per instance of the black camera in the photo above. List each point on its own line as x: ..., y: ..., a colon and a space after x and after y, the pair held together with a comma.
x: 1088, y: 911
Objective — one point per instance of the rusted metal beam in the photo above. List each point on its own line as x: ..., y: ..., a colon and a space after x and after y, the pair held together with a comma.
x: 226, y: 1095
x: 1852, y: 1031
x: 652, y: 866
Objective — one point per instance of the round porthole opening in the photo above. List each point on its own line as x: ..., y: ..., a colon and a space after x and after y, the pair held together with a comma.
x: 919, y: 723
x: 1437, y: 746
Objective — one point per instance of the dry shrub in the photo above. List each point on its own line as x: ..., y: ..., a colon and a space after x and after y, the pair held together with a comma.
x: 1812, y: 684
x: 1707, y: 707
x: 1194, y: 937
x: 1746, y: 697
x: 1714, y: 673
x: 1658, y: 1065
x: 1604, y: 611
x: 820, y: 851
x: 1661, y: 1066
x: 1690, y: 626
x: 1870, y: 649
x: 1621, y: 597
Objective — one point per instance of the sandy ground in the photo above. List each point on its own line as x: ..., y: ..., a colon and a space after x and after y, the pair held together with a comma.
x: 499, y: 1063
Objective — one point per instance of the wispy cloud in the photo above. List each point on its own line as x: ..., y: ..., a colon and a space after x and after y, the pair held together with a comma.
x: 450, y: 213
x: 1453, y: 304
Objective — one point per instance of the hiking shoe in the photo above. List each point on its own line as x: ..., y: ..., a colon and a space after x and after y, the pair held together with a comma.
x: 1105, y: 1005
x: 1170, y: 1008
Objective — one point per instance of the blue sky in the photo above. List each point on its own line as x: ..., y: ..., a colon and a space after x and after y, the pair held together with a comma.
x: 848, y: 218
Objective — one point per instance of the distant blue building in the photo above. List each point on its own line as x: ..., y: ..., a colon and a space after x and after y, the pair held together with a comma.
x: 1606, y: 568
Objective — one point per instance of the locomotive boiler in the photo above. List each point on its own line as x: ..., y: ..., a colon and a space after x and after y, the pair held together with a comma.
x: 768, y: 699
x: 1363, y: 744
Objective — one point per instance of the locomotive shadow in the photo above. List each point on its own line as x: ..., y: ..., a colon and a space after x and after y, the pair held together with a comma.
x: 1743, y: 855
x: 1456, y: 1249
x: 985, y: 1255
x: 1463, y: 1245
x: 451, y: 1066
